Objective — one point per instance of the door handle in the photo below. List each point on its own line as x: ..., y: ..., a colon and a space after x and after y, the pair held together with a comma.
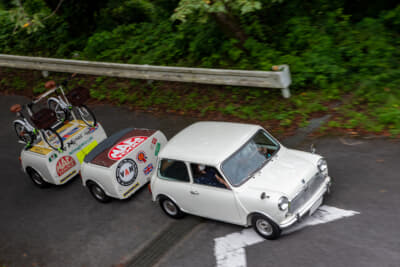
x: 194, y: 192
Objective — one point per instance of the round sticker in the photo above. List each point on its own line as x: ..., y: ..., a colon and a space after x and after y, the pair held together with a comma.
x: 123, y: 148
x: 141, y: 157
x: 64, y: 164
x: 126, y: 172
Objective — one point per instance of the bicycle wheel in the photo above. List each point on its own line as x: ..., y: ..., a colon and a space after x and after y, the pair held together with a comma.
x: 87, y: 116
x: 53, y: 139
x: 61, y: 114
x: 23, y: 134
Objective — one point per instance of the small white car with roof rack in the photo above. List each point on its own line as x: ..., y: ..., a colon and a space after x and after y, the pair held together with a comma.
x: 240, y: 174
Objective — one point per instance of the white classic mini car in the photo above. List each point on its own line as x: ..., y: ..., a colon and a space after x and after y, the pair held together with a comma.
x: 238, y: 173
x: 122, y: 163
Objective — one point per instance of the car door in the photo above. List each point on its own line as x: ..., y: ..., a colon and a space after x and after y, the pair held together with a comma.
x: 174, y: 182
x: 213, y: 202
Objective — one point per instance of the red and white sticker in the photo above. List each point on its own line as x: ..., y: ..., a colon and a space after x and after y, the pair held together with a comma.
x: 123, y: 148
x: 64, y: 164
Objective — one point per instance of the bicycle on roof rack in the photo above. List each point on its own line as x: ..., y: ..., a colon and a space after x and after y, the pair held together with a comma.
x: 63, y: 104
x: 42, y: 121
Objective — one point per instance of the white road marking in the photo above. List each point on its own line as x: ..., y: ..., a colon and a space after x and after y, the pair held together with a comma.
x: 230, y: 250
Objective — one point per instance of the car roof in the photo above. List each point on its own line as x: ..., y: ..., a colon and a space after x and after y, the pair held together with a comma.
x: 208, y: 142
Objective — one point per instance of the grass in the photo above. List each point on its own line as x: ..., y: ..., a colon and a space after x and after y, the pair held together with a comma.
x: 351, y: 112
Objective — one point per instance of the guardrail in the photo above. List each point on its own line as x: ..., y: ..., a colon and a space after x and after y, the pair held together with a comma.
x: 266, y: 79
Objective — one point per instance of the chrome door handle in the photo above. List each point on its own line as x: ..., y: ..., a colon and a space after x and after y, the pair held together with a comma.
x: 194, y: 192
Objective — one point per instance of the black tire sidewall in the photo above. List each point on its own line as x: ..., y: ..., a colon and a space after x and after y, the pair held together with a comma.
x: 104, y: 198
x: 42, y: 184
x: 179, y: 214
x: 276, y: 231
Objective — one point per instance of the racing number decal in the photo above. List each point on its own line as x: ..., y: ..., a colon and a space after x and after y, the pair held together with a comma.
x: 64, y: 164
x: 126, y: 172
x: 123, y: 148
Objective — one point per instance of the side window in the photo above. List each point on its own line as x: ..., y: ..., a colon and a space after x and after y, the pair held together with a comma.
x: 173, y: 170
x: 207, y: 175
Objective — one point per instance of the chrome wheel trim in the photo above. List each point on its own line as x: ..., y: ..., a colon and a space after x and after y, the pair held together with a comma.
x: 36, y: 178
x: 170, y: 207
x: 98, y: 192
x: 264, y: 227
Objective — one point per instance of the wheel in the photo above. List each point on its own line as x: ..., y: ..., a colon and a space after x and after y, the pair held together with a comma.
x: 36, y: 178
x: 87, y: 116
x: 170, y: 208
x: 61, y: 114
x: 98, y: 193
x: 53, y: 139
x: 265, y: 227
x: 23, y: 134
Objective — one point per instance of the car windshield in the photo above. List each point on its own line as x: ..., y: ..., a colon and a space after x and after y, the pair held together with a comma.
x: 249, y: 158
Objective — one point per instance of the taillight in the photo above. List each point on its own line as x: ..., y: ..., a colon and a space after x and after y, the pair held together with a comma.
x: 149, y: 188
x: 20, y: 161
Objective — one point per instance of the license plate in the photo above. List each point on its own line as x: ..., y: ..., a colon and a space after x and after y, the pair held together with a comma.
x: 315, y: 206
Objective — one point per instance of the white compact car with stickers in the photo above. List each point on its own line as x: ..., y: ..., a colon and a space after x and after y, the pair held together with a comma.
x: 49, y: 166
x: 122, y: 163
x: 238, y: 173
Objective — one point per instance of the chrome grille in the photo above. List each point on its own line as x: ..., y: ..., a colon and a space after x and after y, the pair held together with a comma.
x: 312, y: 186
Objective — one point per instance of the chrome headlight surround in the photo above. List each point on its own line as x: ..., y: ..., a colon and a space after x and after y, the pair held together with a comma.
x: 322, y: 166
x: 283, y: 203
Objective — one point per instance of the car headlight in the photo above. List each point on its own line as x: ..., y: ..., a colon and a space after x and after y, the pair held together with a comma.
x: 283, y: 203
x: 322, y: 166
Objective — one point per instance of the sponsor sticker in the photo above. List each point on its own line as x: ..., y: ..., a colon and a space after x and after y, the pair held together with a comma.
x: 81, y: 145
x: 126, y: 172
x: 157, y: 149
x: 153, y: 143
x: 148, y: 169
x: 52, y: 157
x: 91, y: 129
x: 73, y: 141
x: 141, y: 156
x: 70, y: 133
x: 64, y: 164
x: 123, y: 148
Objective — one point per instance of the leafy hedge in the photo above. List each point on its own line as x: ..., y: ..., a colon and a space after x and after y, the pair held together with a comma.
x: 327, y: 49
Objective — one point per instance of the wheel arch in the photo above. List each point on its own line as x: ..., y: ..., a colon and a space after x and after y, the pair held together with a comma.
x: 254, y: 213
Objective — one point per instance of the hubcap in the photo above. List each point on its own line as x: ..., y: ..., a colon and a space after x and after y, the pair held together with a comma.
x: 98, y: 192
x: 170, y: 207
x: 37, y: 179
x: 264, y: 227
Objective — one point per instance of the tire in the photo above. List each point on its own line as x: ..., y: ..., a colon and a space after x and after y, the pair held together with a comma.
x: 23, y: 134
x: 37, y: 179
x: 98, y: 193
x: 53, y: 139
x: 87, y: 116
x: 61, y: 114
x: 265, y: 227
x: 170, y: 208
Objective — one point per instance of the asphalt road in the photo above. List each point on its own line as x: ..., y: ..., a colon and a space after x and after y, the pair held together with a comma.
x: 65, y: 226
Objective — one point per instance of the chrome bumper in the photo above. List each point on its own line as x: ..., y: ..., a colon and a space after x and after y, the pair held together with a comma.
x: 305, y: 209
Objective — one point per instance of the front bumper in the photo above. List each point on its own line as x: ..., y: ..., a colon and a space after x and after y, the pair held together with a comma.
x: 305, y: 209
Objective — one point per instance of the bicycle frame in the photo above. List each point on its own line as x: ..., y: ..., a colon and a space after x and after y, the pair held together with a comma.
x: 62, y: 100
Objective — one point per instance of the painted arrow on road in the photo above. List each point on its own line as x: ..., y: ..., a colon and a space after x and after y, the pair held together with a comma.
x: 230, y: 249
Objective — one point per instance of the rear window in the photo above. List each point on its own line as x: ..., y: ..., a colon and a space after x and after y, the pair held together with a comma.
x: 173, y: 170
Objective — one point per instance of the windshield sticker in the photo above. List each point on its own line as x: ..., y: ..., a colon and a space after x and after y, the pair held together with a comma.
x: 126, y: 172
x: 123, y: 148
x: 141, y: 157
x: 64, y: 164
x: 148, y: 169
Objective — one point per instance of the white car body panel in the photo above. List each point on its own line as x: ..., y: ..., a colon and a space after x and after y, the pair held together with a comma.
x: 288, y: 173
x: 106, y: 177
x: 59, y: 167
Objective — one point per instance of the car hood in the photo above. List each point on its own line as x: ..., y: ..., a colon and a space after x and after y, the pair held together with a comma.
x: 285, y: 173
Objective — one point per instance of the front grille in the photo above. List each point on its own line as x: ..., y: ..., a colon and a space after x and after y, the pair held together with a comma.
x: 312, y: 186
